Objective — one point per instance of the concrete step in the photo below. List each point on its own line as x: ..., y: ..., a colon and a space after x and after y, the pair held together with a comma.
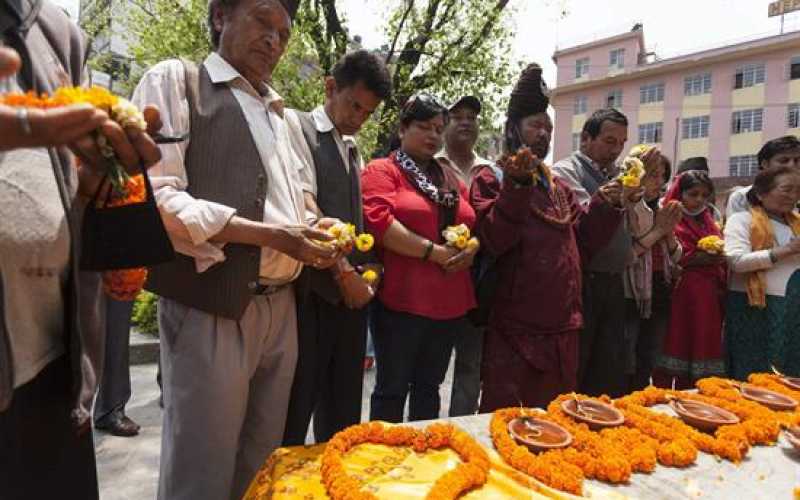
x: 143, y: 348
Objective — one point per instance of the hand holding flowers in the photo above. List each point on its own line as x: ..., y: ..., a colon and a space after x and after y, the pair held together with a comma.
x: 712, y: 244
x: 107, y: 133
x: 460, y: 238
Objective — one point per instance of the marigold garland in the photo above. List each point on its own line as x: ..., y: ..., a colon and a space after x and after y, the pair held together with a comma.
x: 125, y: 284
x: 120, y: 110
x: 554, y: 468
x: 729, y: 442
x: 472, y: 473
x: 761, y: 424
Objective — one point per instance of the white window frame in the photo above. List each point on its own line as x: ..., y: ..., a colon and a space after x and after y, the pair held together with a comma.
x: 752, y: 74
x: 698, y: 84
x: 616, y: 95
x: 651, y: 133
x: 581, y: 67
x: 616, y: 59
x: 793, y: 115
x: 743, y: 166
x: 695, y: 127
x: 650, y: 93
x: 747, y: 120
x: 581, y: 105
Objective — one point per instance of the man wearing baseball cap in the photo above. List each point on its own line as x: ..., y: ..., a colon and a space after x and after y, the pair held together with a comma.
x: 460, y: 137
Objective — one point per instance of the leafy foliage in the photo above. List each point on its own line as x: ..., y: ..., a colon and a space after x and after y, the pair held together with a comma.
x: 145, y: 316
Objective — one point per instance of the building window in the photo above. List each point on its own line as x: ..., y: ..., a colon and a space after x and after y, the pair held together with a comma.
x: 614, y: 99
x: 793, y: 116
x: 617, y: 58
x: 651, y: 93
x: 576, y: 141
x: 581, y: 105
x: 749, y: 75
x: 697, y: 84
x: 743, y: 166
x: 581, y: 67
x: 794, y: 68
x: 650, y: 133
x: 695, y: 127
x: 747, y: 120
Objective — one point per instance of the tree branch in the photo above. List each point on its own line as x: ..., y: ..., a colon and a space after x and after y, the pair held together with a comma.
x: 408, y: 10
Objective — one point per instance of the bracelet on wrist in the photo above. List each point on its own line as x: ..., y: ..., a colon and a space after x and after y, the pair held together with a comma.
x: 772, y: 257
x: 428, y: 250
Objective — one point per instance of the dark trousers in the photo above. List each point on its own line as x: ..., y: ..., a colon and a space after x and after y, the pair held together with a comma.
x: 412, y: 353
x: 467, y: 371
x: 602, y: 348
x: 650, y: 334
x: 41, y: 454
x: 114, y: 391
x: 329, y: 374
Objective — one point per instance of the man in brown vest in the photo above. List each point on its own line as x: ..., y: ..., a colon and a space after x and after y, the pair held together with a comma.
x: 331, y: 314
x: 50, y: 325
x: 231, y: 200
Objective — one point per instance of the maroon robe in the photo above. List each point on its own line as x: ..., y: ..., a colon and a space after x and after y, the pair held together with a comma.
x: 531, y: 348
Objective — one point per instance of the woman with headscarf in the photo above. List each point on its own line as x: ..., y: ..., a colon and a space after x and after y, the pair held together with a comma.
x: 693, y: 346
x: 531, y: 223
x: 426, y: 291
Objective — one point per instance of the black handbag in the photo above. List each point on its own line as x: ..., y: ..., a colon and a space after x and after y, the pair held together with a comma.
x: 124, y: 237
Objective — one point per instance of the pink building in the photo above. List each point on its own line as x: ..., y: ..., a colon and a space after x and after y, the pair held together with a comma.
x: 722, y: 103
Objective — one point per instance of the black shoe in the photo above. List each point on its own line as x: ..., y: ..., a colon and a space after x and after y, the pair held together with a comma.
x: 118, y: 424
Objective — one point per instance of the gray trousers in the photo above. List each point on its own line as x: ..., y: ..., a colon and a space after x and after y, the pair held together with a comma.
x: 467, y: 371
x: 226, y: 392
x: 114, y: 391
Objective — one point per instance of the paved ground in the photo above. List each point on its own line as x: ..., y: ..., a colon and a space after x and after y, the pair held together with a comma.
x: 128, y: 467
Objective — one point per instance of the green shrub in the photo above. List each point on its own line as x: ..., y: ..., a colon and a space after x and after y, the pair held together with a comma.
x: 144, y: 313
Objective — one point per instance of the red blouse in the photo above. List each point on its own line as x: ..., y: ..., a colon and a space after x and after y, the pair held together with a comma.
x: 410, y: 284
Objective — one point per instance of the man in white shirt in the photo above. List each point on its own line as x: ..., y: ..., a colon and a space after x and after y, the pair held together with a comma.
x: 331, y: 314
x: 775, y: 153
x: 231, y: 201
x: 459, y: 153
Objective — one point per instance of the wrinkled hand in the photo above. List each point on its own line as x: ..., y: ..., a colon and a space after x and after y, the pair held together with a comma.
x: 523, y: 174
x: 300, y: 243
x: 651, y: 158
x: 632, y: 195
x: 668, y: 217
x: 702, y: 258
x: 462, y: 260
x: 612, y: 192
x: 134, y: 148
x: 326, y: 223
x: 356, y: 292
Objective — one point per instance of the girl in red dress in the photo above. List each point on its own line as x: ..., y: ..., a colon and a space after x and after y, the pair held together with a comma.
x: 693, y: 346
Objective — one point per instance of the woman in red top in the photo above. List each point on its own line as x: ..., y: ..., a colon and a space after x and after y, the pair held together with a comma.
x: 693, y: 347
x: 426, y: 291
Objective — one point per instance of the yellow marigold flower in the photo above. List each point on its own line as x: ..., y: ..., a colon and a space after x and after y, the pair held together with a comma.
x: 473, y: 243
x: 370, y: 276
x: 711, y: 244
x: 461, y: 242
x: 631, y: 181
x: 364, y: 242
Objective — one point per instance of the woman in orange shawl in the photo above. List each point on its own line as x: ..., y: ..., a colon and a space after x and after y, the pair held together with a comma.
x: 762, y: 326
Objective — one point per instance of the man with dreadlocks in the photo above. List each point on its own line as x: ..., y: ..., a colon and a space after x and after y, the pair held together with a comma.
x: 534, y: 227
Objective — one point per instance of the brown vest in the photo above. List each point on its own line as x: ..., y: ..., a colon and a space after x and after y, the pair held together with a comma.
x: 222, y: 165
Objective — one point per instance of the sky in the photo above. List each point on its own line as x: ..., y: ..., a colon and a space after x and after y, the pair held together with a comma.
x: 671, y: 27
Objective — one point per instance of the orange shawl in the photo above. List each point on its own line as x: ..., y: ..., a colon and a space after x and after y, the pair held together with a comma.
x: 762, y: 237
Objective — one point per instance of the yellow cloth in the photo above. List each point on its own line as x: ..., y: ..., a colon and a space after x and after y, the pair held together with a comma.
x: 762, y: 237
x: 395, y: 473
